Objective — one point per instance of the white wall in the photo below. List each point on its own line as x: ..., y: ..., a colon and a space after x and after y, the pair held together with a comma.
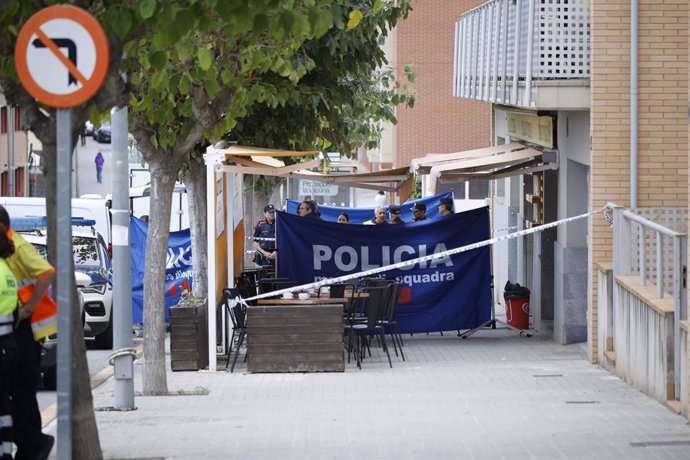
x: 574, y: 149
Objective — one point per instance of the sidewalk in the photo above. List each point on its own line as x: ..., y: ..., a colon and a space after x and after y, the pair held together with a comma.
x: 493, y: 395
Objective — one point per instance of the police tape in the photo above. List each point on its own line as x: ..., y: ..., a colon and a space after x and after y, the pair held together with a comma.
x: 259, y: 238
x: 450, y: 252
x: 505, y: 229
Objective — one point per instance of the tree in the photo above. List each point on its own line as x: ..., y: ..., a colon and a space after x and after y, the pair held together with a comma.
x: 190, y: 81
x: 42, y: 121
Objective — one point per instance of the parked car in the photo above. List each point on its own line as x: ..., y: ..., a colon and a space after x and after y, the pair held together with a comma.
x: 88, y: 128
x: 103, y: 134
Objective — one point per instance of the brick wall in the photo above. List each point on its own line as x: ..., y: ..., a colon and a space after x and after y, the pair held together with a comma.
x: 663, y: 127
x: 439, y: 122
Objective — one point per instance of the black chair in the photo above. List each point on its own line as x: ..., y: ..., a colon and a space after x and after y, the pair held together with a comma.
x: 267, y: 284
x: 364, y: 320
x: 332, y: 291
x: 237, y: 315
x: 390, y: 319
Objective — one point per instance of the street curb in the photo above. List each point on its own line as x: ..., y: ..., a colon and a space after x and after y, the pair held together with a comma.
x: 50, y: 413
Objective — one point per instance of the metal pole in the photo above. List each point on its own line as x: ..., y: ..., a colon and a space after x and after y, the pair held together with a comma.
x: 65, y: 281
x: 76, y: 171
x: 10, y: 151
x: 210, y: 158
x: 122, y: 292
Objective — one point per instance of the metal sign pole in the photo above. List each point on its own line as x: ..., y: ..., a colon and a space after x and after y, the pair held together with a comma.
x: 122, y: 294
x: 65, y: 281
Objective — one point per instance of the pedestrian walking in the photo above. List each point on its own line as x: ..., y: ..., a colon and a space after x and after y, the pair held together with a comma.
x: 99, y: 167
x: 82, y: 137
x: 8, y: 345
x: 36, y: 320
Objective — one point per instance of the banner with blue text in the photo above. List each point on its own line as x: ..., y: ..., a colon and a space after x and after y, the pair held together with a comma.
x: 448, y: 293
x: 178, y: 267
x: 360, y: 215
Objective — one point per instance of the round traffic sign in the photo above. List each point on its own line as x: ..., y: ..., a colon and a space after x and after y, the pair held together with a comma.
x: 62, y: 56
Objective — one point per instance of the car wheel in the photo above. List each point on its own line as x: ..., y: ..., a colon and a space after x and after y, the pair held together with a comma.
x: 50, y: 378
x: 104, y: 340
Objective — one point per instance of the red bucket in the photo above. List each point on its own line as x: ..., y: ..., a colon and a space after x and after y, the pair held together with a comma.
x: 517, y: 312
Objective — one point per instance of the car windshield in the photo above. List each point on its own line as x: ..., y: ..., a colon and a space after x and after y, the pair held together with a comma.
x: 86, y: 255
x: 85, y: 251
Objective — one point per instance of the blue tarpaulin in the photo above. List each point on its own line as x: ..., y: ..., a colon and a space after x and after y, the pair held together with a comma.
x: 178, y: 267
x: 360, y: 215
x: 448, y: 293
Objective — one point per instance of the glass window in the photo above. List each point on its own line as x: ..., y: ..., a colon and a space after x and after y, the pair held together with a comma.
x: 85, y: 253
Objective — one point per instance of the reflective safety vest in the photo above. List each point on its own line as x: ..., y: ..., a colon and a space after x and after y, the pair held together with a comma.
x: 44, y: 316
x: 8, y: 298
x: 27, y: 265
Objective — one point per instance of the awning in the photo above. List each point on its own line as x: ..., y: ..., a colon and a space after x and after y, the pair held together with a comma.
x: 261, y: 161
x: 483, y: 164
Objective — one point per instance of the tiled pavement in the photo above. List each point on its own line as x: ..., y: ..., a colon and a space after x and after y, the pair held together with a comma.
x: 494, y: 395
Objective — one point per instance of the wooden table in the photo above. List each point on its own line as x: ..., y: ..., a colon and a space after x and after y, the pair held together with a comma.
x: 309, y: 301
x: 296, y: 336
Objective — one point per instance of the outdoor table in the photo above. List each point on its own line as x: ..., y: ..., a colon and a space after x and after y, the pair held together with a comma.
x: 309, y: 301
x: 293, y: 335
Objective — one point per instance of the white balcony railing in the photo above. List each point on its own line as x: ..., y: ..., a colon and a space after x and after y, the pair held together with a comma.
x: 503, y: 46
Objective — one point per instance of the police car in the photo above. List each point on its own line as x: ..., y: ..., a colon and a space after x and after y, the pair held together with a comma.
x: 90, y: 258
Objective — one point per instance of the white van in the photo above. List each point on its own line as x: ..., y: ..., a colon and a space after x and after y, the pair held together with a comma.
x: 140, y: 205
x: 84, y: 208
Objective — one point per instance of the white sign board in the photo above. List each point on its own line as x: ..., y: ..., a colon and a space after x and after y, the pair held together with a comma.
x: 316, y: 188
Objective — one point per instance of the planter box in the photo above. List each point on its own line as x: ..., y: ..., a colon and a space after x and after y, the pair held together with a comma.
x: 295, y: 338
x: 189, y: 336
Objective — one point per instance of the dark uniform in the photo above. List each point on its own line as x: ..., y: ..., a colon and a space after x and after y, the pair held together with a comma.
x: 264, y: 229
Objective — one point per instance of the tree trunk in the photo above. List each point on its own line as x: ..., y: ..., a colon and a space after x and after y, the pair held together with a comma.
x: 195, y: 180
x: 163, y: 175
x: 85, y: 441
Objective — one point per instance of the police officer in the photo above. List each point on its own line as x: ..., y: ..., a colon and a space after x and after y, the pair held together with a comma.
x: 266, y: 228
x: 36, y: 320
x: 419, y: 211
x: 8, y: 346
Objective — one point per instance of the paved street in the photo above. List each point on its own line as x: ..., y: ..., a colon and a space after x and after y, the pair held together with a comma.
x: 84, y: 169
x: 494, y: 395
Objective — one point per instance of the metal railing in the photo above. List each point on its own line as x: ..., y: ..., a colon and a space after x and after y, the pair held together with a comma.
x: 504, y: 42
x: 632, y: 235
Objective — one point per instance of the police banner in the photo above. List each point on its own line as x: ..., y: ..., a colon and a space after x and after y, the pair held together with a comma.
x: 178, y: 267
x: 448, y: 293
x: 361, y: 215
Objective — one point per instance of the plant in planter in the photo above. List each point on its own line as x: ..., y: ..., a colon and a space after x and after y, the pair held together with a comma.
x: 189, y: 333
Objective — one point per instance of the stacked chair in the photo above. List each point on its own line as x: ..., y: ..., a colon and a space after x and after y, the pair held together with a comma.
x: 237, y: 315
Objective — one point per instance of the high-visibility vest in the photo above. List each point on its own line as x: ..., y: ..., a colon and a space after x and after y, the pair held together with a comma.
x: 8, y: 298
x: 44, y: 316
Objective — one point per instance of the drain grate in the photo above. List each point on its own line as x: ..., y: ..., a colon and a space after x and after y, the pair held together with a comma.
x: 547, y: 375
x: 661, y: 443
x: 582, y: 402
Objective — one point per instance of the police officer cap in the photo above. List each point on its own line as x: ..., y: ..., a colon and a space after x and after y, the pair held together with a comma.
x: 421, y: 206
x: 269, y: 208
x: 394, y: 209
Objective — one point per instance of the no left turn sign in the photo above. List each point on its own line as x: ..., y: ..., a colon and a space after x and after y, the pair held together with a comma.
x: 62, y: 56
